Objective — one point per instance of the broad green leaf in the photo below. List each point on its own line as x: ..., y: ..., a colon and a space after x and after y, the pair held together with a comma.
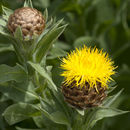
x: 39, y: 121
x: 19, y: 49
x: 16, y: 73
x: 20, y: 45
x: 46, y: 105
x: 46, y: 41
x: 6, y: 47
x: 19, y: 112
x: 57, y: 117
x: 4, y: 32
x: 44, y: 74
x: 60, y: 104
x: 5, y: 17
x: 21, y: 92
x: 102, y: 113
x: 109, y: 100
x: 7, y: 11
x: 28, y: 3
x: 3, y: 22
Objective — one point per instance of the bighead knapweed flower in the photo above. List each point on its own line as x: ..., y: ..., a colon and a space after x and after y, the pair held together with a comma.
x: 29, y: 19
x: 86, y: 75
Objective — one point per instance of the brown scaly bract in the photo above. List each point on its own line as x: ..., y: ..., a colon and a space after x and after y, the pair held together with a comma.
x: 85, y: 97
x: 29, y: 19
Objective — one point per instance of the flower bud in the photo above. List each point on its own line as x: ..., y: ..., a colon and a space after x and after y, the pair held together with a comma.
x: 85, y: 97
x: 30, y: 20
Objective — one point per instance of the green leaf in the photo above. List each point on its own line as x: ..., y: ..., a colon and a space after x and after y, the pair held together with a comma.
x: 111, y: 87
x: 81, y: 112
x: 102, y: 113
x: 28, y: 3
x: 47, y: 30
x: 43, y: 73
x: 46, y: 105
x: 46, y: 41
x: 21, y: 92
x: 57, y: 117
x: 109, y: 100
x: 16, y: 73
x: 6, y: 47
x: 4, y: 32
x: 45, y: 15
x: 3, y: 22
x: 49, y: 23
x: 60, y: 104
x: 19, y: 112
x: 5, y: 17
x: 7, y: 11
x: 18, y: 33
x: 85, y: 40
x: 40, y: 121
x: 56, y: 52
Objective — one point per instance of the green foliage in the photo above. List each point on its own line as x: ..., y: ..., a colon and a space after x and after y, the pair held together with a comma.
x: 30, y: 84
x: 16, y: 73
x: 18, y: 112
x: 46, y: 42
x: 102, y: 113
x: 43, y: 73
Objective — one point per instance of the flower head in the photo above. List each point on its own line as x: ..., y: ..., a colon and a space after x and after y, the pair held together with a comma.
x: 29, y: 19
x: 87, y: 65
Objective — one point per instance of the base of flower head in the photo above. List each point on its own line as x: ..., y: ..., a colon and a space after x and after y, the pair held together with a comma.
x: 85, y: 97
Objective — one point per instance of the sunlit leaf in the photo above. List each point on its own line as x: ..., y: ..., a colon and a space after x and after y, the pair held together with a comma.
x: 8, y: 73
x: 43, y: 73
x: 102, y: 113
x: 46, y: 41
x: 3, y: 22
x: 7, y: 11
x: 21, y: 92
x: 4, y: 47
x: 19, y: 112
x: 110, y: 99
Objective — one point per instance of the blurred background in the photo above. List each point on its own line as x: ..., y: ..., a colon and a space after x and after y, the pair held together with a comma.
x: 101, y: 23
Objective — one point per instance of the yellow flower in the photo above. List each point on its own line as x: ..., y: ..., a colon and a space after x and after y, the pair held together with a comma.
x: 87, y: 65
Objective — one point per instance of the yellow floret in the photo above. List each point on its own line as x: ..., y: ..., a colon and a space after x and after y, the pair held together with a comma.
x: 87, y: 65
